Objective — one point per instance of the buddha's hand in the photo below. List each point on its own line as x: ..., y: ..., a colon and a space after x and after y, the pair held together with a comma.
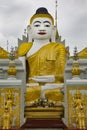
x: 59, y: 78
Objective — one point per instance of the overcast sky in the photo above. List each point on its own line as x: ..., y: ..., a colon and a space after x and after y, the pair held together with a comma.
x: 72, y: 20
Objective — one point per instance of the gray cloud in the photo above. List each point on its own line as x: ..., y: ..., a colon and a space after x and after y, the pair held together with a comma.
x: 72, y: 19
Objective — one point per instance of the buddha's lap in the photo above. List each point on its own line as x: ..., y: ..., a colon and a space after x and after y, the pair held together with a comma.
x: 34, y: 93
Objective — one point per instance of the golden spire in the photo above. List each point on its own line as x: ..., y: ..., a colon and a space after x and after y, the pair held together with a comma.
x: 56, y: 5
x: 56, y: 13
x: 12, y: 68
x: 75, y: 67
x: 7, y: 45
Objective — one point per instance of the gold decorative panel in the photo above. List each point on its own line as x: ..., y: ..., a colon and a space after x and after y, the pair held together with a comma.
x: 77, y: 106
x: 10, y: 99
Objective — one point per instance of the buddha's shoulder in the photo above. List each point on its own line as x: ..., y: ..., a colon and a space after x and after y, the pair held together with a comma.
x: 58, y: 44
x: 24, y: 48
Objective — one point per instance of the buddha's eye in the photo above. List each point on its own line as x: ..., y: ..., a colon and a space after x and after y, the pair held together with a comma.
x: 47, y: 25
x: 37, y: 25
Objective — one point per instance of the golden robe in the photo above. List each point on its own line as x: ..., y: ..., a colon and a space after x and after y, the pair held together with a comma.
x: 48, y: 60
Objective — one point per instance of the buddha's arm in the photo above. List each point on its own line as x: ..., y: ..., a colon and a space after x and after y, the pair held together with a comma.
x: 61, y: 63
x: 22, y: 51
x: 62, y: 59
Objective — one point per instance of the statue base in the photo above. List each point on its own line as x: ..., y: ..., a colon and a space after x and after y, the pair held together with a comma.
x: 76, y: 129
x: 44, y: 117
x: 44, y: 123
x: 12, y: 129
x: 43, y: 113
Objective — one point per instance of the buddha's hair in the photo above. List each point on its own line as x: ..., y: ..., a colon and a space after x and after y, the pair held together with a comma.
x: 41, y: 13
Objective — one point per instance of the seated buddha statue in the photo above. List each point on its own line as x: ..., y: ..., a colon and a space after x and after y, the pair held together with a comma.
x: 43, y: 59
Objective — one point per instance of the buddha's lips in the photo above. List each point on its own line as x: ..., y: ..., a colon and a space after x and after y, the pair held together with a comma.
x: 42, y: 33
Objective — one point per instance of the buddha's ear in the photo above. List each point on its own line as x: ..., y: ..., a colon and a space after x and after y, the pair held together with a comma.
x: 29, y: 33
x: 53, y: 36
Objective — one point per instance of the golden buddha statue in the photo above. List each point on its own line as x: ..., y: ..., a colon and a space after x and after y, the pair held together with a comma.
x: 46, y: 59
x: 10, y: 103
x: 6, y: 117
x: 79, y: 106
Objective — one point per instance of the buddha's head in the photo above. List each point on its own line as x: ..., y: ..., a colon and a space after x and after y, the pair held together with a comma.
x: 41, y: 25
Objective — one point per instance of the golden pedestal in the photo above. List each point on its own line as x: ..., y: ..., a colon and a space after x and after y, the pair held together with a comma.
x: 43, y: 112
x: 44, y: 117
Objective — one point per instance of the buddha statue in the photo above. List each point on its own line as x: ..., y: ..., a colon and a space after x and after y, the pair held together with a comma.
x: 43, y: 59
x: 6, y: 120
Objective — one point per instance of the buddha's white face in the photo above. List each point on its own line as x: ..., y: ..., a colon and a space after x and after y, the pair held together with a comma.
x: 41, y: 28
